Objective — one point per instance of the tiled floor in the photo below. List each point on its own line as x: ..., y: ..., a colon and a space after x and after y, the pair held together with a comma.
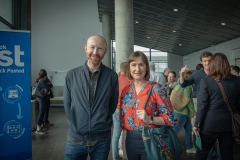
x: 51, y: 146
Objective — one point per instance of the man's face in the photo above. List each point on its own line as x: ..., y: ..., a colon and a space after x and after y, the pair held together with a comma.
x: 166, y: 73
x: 95, y: 50
x: 205, y: 62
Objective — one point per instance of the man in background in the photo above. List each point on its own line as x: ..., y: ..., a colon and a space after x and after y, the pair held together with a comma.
x: 117, y: 136
x: 195, y: 78
x: 90, y: 99
x: 165, y: 73
x: 156, y: 77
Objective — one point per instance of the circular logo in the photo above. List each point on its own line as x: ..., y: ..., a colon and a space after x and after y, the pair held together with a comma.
x: 13, y: 94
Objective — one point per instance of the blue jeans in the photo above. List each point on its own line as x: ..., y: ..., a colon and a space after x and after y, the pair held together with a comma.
x: 99, y: 151
x: 42, y: 106
x: 116, y: 136
x: 212, y: 153
x: 184, y: 121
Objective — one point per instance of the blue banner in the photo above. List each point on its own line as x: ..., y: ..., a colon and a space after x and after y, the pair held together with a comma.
x: 15, y: 99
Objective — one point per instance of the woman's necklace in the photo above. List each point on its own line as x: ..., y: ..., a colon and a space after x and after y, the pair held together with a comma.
x: 138, y: 90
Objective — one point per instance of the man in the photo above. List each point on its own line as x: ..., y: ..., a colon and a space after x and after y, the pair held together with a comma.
x: 195, y: 78
x: 156, y: 77
x: 90, y: 99
x: 198, y: 74
x: 123, y: 82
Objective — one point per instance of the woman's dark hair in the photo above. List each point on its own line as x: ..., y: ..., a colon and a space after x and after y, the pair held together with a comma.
x: 188, y: 74
x: 219, y: 67
x: 41, y: 74
x: 132, y: 58
x: 174, y: 73
x: 199, y: 66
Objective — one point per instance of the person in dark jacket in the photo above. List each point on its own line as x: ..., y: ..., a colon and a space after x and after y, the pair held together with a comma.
x: 90, y: 99
x: 42, y: 81
x: 213, y: 119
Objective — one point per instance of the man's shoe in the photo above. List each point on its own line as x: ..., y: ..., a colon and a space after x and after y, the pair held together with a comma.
x: 193, y: 150
x: 49, y: 124
x: 40, y: 132
x: 120, y: 152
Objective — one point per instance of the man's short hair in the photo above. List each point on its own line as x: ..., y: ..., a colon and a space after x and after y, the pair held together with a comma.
x: 97, y: 36
x: 205, y: 54
x: 199, y: 66
x: 123, y: 67
x: 152, y: 66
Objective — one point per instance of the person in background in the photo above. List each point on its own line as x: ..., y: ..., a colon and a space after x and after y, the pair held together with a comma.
x: 90, y: 99
x: 184, y: 116
x: 165, y: 73
x: 235, y: 70
x: 158, y: 109
x: 171, y: 83
x: 156, y: 77
x: 42, y: 81
x: 195, y: 78
x: 213, y: 120
x: 116, y: 135
x: 194, y: 94
x: 46, y: 122
x: 198, y: 67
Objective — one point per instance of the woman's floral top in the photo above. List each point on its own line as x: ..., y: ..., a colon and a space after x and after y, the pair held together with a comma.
x: 158, y: 105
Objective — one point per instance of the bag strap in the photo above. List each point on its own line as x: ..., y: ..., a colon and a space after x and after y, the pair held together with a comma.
x: 145, y: 103
x: 224, y: 95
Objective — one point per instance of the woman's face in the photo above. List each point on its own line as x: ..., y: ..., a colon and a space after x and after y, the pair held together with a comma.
x: 171, y: 78
x: 138, y: 69
x: 233, y: 72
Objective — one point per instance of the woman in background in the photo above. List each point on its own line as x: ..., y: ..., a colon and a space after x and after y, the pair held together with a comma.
x: 42, y: 81
x: 213, y: 119
x: 171, y: 82
x: 158, y: 109
x: 184, y: 116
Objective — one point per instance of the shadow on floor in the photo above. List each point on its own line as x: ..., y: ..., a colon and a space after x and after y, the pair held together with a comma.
x: 51, y: 146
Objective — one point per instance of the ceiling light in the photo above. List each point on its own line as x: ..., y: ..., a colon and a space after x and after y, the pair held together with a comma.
x: 223, y: 24
x: 180, y: 44
x: 175, y: 10
x: 174, y: 31
x: 136, y: 21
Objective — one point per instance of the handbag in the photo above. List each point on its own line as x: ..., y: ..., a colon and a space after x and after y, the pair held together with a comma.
x: 163, y: 143
x: 178, y: 100
x: 39, y: 92
x: 235, y: 116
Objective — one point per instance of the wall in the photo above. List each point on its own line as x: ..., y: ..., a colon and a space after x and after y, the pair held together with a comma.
x: 59, y: 29
x: 5, y: 12
x: 175, y: 62
x: 229, y: 48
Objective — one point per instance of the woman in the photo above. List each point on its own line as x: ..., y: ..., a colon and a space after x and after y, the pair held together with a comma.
x: 158, y: 110
x: 42, y: 81
x: 213, y: 119
x: 184, y: 116
x: 171, y: 82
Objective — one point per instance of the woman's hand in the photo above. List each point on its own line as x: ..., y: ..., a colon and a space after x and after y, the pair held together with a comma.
x: 195, y: 130
x: 141, y: 114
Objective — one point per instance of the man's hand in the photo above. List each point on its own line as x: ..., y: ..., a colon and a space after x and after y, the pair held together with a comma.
x: 183, y: 70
